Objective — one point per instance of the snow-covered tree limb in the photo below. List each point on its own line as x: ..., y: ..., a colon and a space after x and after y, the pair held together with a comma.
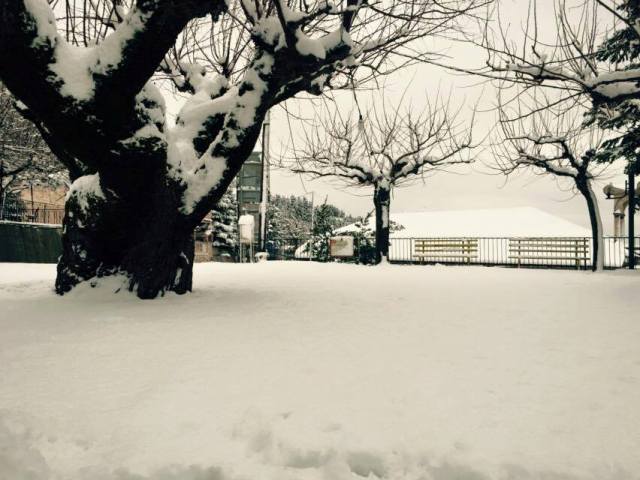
x: 90, y: 81
x: 577, y: 59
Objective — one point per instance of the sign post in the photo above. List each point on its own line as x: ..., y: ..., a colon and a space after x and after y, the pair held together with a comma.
x: 341, y: 247
x: 246, y: 225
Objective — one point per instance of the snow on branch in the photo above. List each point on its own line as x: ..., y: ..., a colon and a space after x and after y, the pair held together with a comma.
x: 386, y: 148
x: 75, y: 67
x: 24, y: 157
x: 233, y: 60
x: 295, y: 51
x: 534, y: 133
x: 570, y: 61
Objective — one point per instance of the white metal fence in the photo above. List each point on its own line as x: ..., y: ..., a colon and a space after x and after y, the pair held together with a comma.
x: 502, y: 251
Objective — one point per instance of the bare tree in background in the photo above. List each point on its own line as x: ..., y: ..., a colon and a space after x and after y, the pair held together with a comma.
x: 141, y: 186
x: 388, y: 148
x: 25, y: 158
x: 590, y: 61
x: 585, y: 74
x: 536, y: 136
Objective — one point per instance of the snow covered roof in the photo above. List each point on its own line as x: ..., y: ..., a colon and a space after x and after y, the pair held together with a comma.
x: 495, y: 222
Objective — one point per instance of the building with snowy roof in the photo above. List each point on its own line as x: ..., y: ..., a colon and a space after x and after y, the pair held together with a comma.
x: 494, y: 222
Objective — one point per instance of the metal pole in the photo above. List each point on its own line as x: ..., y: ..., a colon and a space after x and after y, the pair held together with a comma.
x: 266, y: 127
x: 312, y: 224
x: 632, y: 211
x: 238, y: 237
x: 4, y: 200
x: 32, y: 207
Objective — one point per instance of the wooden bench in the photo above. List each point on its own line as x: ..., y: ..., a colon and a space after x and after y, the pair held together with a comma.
x: 627, y: 249
x: 445, y: 249
x: 542, y: 248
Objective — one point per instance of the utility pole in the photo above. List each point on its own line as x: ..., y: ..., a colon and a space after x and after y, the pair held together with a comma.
x: 264, y: 201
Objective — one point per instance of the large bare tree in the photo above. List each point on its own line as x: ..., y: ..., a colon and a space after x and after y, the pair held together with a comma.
x: 553, y: 141
x: 384, y: 149
x: 140, y: 184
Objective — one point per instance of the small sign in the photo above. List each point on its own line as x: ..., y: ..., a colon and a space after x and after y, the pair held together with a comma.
x: 245, y: 226
x: 341, y: 246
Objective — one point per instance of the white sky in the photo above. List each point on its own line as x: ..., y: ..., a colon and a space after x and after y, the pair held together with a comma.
x: 471, y: 187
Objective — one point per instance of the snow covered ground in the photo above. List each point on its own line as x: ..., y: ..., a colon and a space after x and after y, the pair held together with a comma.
x: 323, y: 371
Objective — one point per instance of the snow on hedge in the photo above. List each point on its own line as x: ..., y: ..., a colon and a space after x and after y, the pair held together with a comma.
x: 283, y: 371
x: 85, y: 189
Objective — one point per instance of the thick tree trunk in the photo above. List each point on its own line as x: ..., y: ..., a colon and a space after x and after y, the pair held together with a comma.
x: 145, y: 238
x: 382, y: 200
x: 597, y: 254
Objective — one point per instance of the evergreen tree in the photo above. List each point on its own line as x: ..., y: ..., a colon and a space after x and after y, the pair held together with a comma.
x: 274, y: 221
x: 622, y: 51
x: 324, y: 224
x: 364, y: 238
x: 290, y: 217
x: 224, y: 223
x: 325, y: 219
x: 289, y: 222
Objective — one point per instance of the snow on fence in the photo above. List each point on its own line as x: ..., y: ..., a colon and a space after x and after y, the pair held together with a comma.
x: 31, y: 212
x: 559, y: 252
x: 544, y: 252
x: 288, y: 249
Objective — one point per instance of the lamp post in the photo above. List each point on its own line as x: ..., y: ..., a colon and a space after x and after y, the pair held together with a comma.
x: 630, y: 193
x: 632, y: 210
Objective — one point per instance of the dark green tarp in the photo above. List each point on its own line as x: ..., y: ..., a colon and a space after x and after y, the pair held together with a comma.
x: 30, y: 243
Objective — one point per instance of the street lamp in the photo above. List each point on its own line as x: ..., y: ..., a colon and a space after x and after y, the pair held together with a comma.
x: 630, y: 192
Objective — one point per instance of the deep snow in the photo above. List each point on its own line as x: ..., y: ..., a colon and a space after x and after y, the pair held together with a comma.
x: 323, y: 371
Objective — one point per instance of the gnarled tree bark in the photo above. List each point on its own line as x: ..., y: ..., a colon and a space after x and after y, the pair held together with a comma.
x: 382, y: 202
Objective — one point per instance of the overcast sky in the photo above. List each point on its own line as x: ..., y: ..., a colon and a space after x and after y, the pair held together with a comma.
x: 471, y: 187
